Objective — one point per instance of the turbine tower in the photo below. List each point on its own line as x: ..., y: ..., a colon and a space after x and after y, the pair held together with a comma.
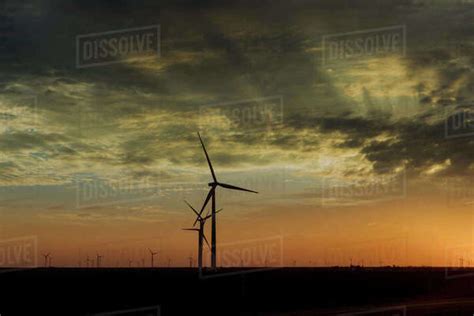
x: 152, y: 254
x: 46, y: 259
x: 212, y: 194
x: 99, y: 258
x: 200, y: 230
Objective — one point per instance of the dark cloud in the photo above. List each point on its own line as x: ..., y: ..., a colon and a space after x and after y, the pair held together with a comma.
x: 24, y: 140
x: 228, y: 53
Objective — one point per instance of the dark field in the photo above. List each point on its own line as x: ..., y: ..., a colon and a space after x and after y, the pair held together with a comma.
x: 285, y: 291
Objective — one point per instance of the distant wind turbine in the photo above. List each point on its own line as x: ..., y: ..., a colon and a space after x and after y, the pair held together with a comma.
x: 212, y: 194
x: 200, y: 230
x: 46, y: 259
x: 98, y: 261
x: 152, y: 254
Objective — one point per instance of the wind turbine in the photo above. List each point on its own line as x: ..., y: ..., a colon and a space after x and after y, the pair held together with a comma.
x: 200, y: 230
x: 87, y: 260
x: 152, y: 254
x: 46, y: 259
x: 99, y: 258
x: 212, y: 194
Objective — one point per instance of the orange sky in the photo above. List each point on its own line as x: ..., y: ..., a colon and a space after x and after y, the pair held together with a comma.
x: 355, y: 160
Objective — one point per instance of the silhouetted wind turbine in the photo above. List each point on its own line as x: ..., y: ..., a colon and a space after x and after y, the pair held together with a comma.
x: 152, y: 254
x: 87, y: 260
x: 99, y: 258
x: 200, y: 230
x: 46, y: 259
x: 212, y: 194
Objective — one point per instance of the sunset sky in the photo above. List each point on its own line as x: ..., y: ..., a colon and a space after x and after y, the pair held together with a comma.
x: 100, y: 159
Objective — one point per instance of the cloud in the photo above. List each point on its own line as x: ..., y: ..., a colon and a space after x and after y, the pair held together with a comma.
x: 139, y: 119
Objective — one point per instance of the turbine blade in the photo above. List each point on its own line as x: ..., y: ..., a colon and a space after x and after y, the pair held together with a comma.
x: 233, y: 187
x: 210, y: 215
x: 205, y: 239
x: 207, y: 157
x: 195, y: 212
x: 195, y: 229
x: 211, y: 192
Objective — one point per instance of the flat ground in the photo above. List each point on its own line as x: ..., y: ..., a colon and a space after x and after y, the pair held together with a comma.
x: 284, y: 291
